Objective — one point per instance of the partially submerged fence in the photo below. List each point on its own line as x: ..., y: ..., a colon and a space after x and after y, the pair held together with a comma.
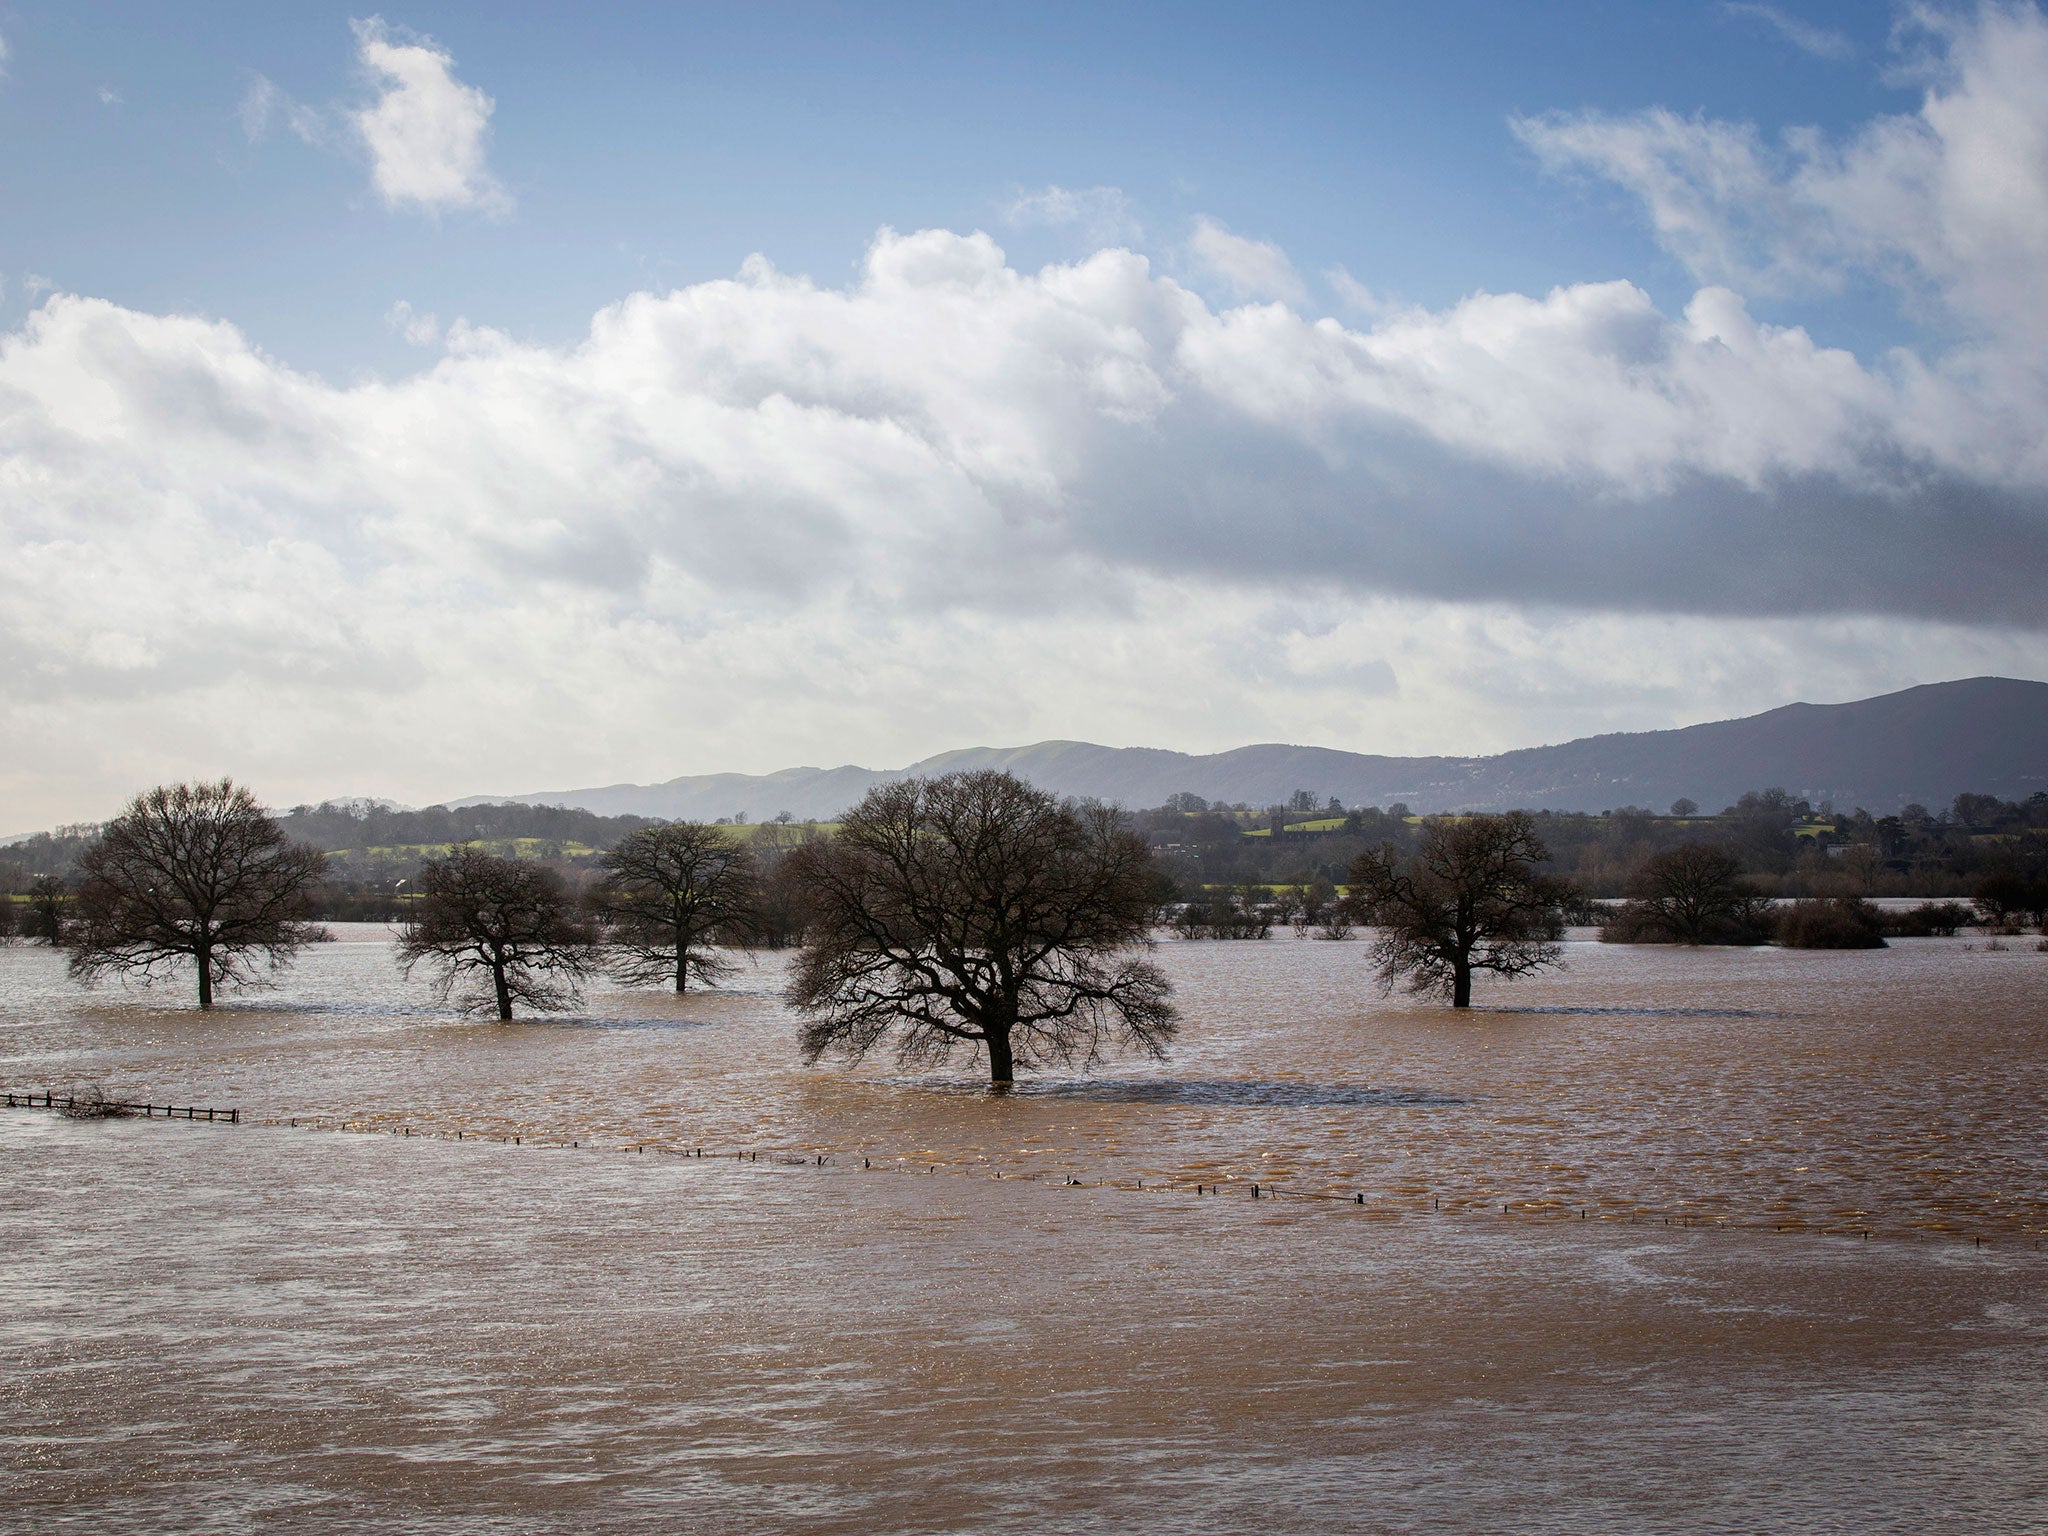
x: 73, y: 1104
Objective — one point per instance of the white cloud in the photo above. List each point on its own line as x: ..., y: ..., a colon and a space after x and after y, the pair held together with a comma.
x: 957, y: 502
x: 263, y: 105
x: 1249, y: 269
x: 1821, y: 42
x: 427, y: 132
x: 5, y: 56
x: 109, y: 97
x: 419, y: 328
x: 1356, y: 301
x: 1950, y: 202
x: 1101, y: 215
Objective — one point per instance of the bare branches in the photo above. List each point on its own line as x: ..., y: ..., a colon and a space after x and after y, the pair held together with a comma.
x: 973, y: 909
x: 507, y: 925
x: 670, y: 894
x: 1470, y: 899
x: 191, y: 872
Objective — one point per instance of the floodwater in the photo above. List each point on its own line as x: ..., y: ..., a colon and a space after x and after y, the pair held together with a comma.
x: 341, y: 1327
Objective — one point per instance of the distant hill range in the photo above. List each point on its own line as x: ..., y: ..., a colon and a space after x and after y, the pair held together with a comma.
x: 1925, y: 744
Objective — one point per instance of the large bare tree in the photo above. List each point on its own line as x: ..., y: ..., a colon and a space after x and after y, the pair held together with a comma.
x: 509, y: 925
x: 975, y: 910
x: 669, y: 895
x: 1470, y: 898
x: 192, y: 873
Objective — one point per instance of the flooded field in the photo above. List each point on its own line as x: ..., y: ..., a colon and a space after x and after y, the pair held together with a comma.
x: 1895, y: 1091
x: 262, y: 1327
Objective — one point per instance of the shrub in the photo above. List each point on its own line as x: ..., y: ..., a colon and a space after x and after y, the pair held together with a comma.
x: 1831, y: 922
x: 92, y: 1103
x: 1929, y: 919
x: 2008, y: 901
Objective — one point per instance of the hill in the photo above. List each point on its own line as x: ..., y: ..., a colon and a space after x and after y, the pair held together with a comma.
x: 1926, y: 744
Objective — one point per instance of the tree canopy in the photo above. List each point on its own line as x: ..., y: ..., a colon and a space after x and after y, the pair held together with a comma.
x: 509, y: 926
x: 668, y: 896
x: 974, y: 910
x: 1693, y: 894
x: 192, y: 873
x: 1470, y: 898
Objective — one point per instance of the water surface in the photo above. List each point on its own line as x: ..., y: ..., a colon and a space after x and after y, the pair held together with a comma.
x: 261, y: 1328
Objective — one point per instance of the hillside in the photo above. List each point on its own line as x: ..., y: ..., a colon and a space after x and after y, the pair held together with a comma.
x: 1925, y: 744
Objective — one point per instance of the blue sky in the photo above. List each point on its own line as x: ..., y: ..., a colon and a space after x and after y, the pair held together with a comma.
x: 662, y: 145
x: 508, y: 397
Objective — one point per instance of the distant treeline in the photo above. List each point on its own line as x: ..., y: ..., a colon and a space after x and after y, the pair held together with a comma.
x: 1789, y: 847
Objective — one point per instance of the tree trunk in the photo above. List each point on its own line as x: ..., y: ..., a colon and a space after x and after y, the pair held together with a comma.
x: 205, y: 978
x: 682, y: 971
x: 1461, y: 984
x: 504, y: 993
x: 1001, y: 1069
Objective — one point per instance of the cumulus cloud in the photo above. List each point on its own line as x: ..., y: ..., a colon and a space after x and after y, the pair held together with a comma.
x: 1821, y: 42
x: 427, y: 132
x: 1082, y: 497
x: 1356, y: 300
x: 420, y: 328
x: 1247, y: 269
x: 1103, y: 215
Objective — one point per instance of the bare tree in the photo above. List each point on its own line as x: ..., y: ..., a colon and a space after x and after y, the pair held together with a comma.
x: 974, y: 909
x: 780, y: 909
x: 1692, y: 894
x: 8, y: 918
x: 510, y: 925
x: 191, y: 872
x: 1469, y: 899
x: 670, y: 894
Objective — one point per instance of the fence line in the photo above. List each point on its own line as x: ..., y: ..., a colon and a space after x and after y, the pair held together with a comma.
x: 70, y: 1102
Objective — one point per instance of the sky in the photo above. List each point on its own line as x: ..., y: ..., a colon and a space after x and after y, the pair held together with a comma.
x: 489, y: 399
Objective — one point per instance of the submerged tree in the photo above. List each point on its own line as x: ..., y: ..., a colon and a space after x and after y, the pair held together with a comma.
x: 668, y: 896
x: 1693, y: 894
x: 510, y: 926
x: 190, y: 872
x: 974, y: 909
x: 1470, y: 898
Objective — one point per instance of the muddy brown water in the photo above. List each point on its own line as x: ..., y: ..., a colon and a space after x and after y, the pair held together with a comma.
x: 262, y: 1328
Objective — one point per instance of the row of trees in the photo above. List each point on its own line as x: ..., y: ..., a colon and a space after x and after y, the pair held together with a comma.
x: 970, y: 910
x: 966, y: 910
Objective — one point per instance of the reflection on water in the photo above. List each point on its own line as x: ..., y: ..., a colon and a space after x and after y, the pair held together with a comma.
x: 1195, y: 1091
x: 213, y: 1328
